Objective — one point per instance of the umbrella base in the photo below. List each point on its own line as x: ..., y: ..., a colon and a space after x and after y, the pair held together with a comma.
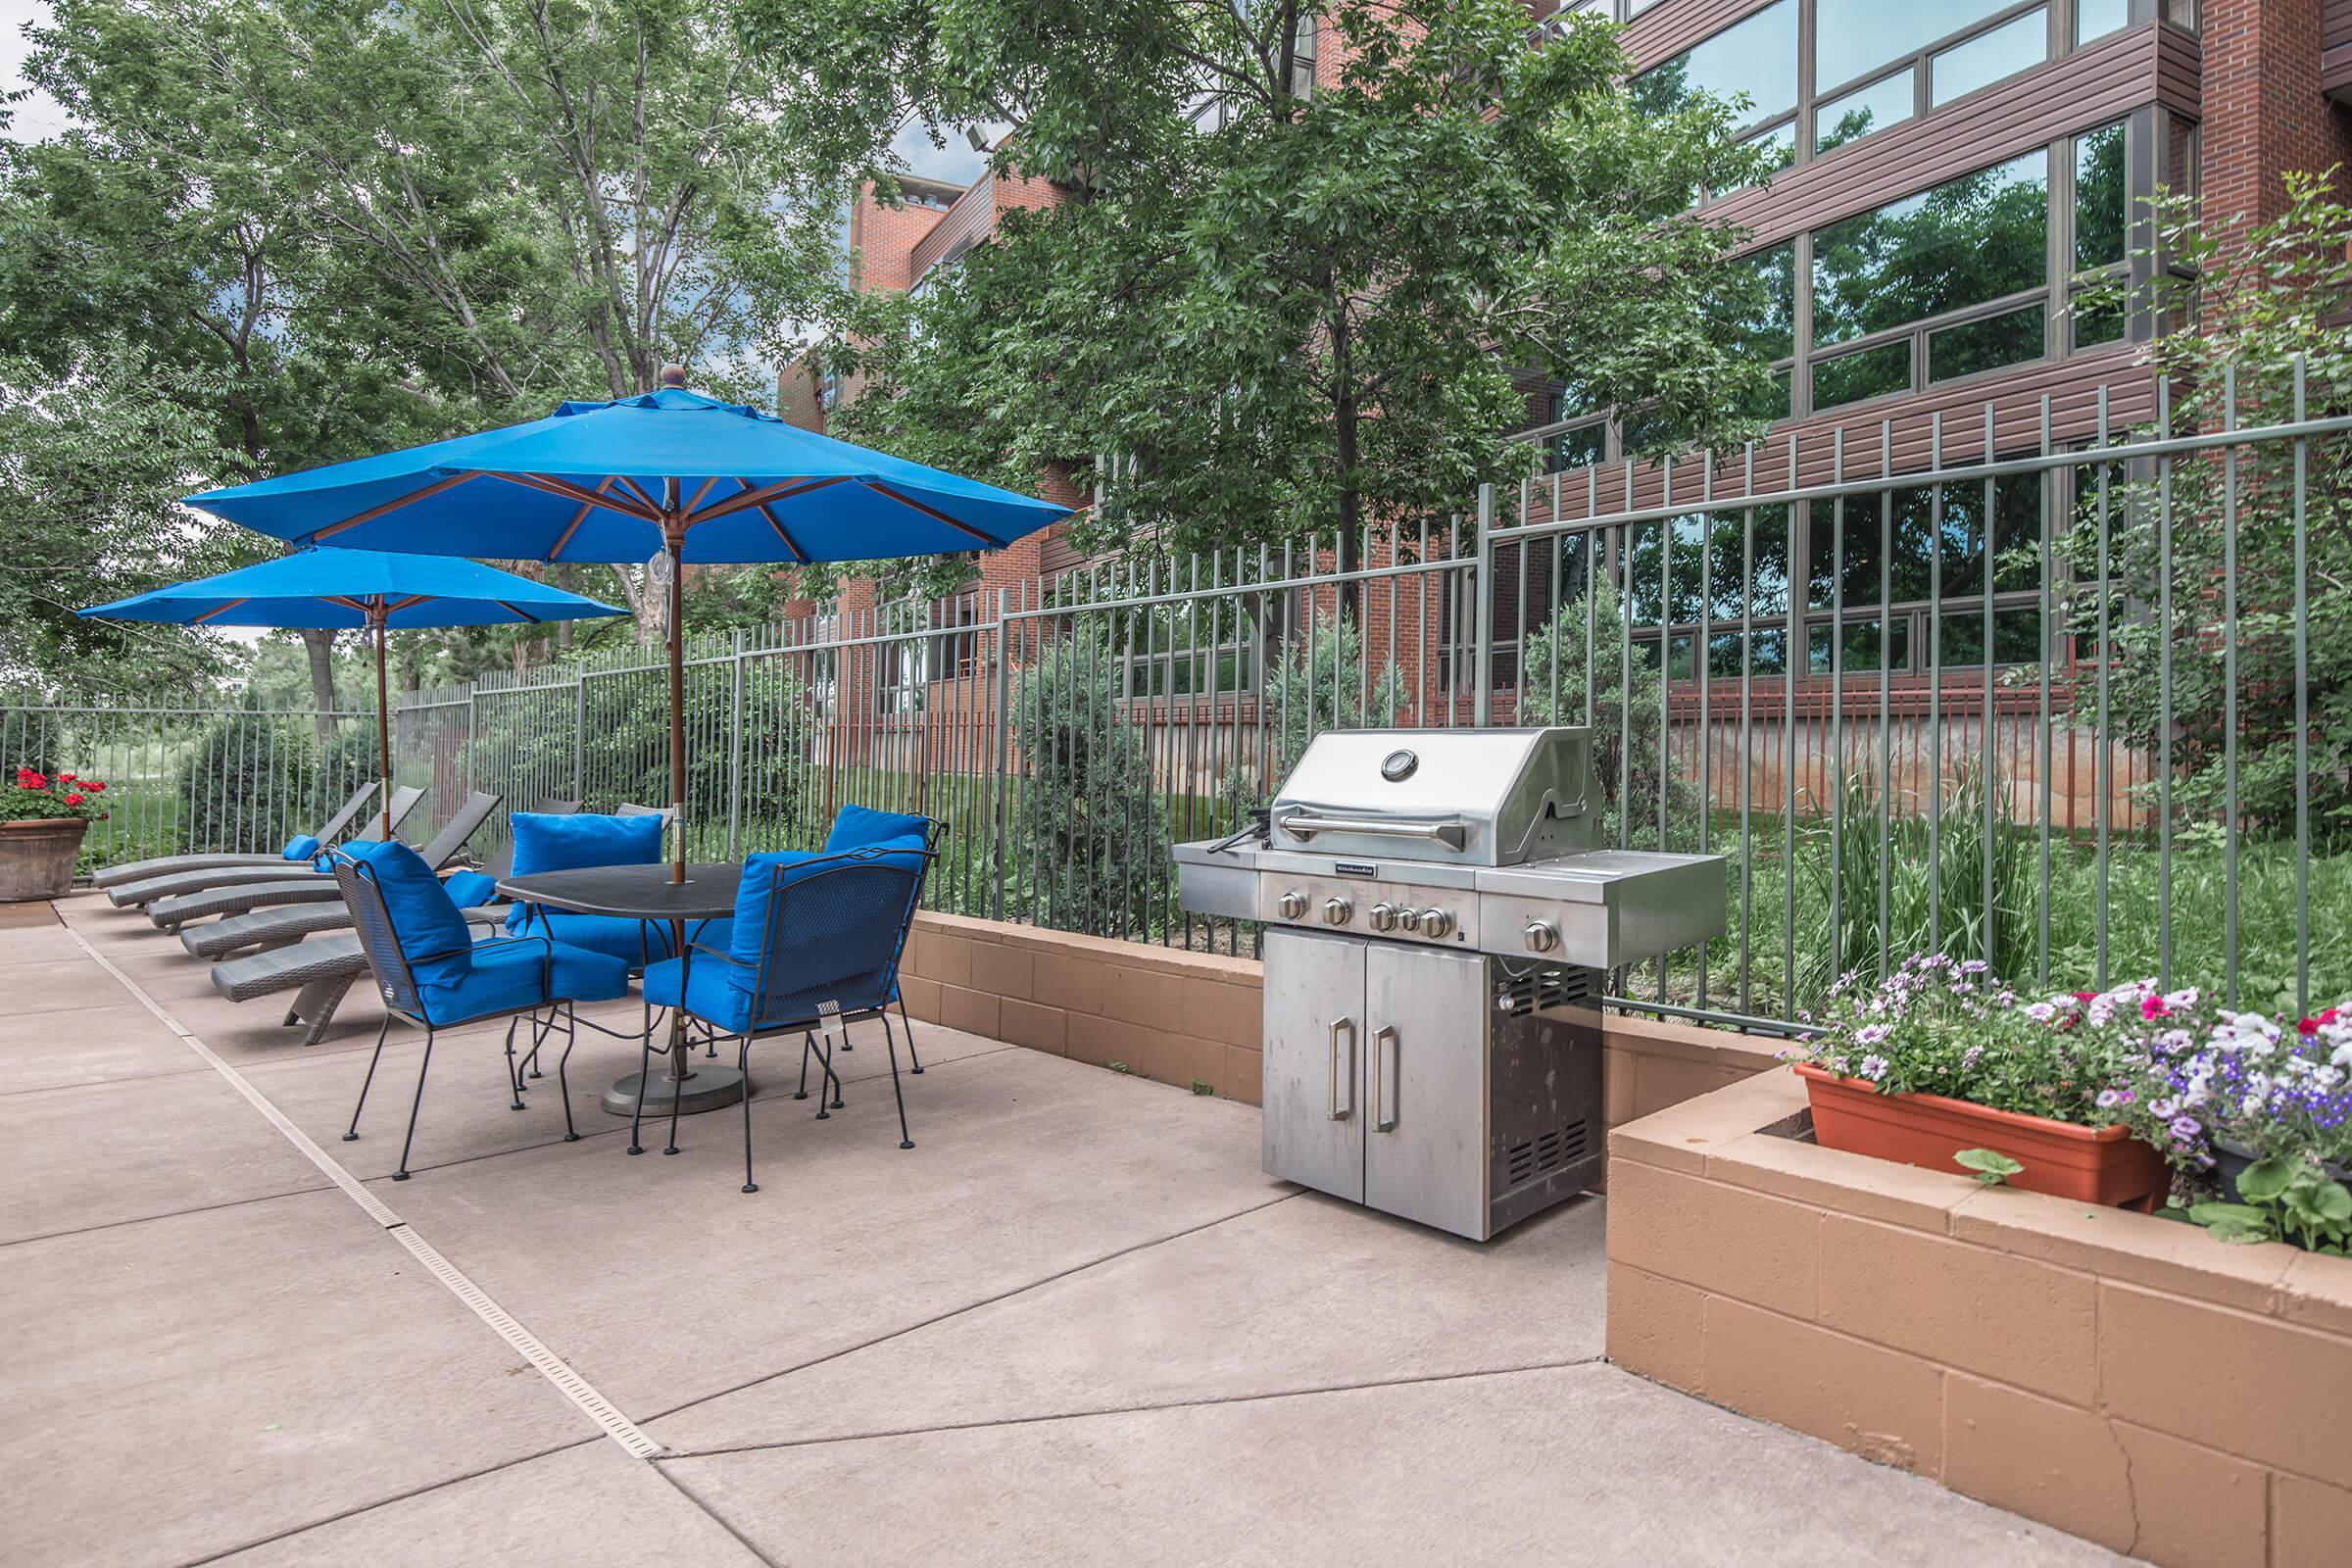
x: 708, y: 1087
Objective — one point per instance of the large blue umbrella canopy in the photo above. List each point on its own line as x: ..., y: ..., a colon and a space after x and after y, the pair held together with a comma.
x: 368, y: 590
x: 669, y: 474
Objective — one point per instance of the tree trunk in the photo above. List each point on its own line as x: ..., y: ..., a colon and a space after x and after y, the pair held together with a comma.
x: 319, y: 646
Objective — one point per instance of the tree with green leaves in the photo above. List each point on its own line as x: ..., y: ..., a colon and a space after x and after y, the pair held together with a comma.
x: 1281, y: 298
x: 319, y: 230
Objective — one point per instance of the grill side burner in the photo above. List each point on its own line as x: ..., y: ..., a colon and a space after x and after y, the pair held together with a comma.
x: 1440, y: 925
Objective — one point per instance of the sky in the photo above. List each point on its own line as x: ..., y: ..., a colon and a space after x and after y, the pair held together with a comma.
x: 39, y: 116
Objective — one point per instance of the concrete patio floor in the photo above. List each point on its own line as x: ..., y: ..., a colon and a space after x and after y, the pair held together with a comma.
x: 1074, y: 1324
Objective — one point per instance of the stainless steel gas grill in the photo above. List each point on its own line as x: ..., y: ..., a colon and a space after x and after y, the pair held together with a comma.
x: 1439, y: 924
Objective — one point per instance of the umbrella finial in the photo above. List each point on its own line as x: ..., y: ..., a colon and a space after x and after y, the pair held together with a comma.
x: 673, y: 376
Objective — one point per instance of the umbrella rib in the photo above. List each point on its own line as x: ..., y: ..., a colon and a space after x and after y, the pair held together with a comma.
x: 638, y: 490
x: 515, y: 610
x: 394, y: 505
x: 743, y: 500
x: 572, y: 492
x: 987, y: 541
x: 799, y: 555
x: 704, y: 489
x: 217, y: 609
x: 556, y: 552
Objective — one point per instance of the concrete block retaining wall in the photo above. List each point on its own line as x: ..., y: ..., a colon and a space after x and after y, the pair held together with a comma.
x: 2121, y: 1376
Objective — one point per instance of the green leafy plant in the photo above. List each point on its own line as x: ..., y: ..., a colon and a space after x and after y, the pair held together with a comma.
x: 2292, y: 1200
x: 1993, y: 1167
x: 30, y: 794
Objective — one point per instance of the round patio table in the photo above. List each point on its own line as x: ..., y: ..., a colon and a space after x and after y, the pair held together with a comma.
x: 645, y: 893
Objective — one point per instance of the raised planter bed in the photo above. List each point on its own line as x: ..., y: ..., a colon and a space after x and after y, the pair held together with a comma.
x: 2090, y: 1165
x: 2119, y: 1375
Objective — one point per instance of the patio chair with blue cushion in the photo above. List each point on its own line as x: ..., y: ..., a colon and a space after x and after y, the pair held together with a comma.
x: 434, y: 977
x: 815, y: 939
x: 632, y: 836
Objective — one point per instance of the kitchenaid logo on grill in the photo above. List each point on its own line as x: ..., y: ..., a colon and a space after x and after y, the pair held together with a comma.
x: 1354, y: 868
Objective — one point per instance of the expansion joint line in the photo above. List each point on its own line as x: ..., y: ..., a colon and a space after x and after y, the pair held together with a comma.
x: 569, y: 1383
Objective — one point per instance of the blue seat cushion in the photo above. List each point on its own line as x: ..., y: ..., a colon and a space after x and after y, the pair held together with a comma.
x: 434, y: 938
x: 712, y: 993
x: 508, y: 976
x: 857, y: 826
x: 633, y: 942
x: 470, y: 890
x: 544, y: 843
x: 764, y: 874
x: 301, y: 847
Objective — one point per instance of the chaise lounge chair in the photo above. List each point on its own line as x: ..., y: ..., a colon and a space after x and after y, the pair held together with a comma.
x: 146, y: 889
x: 235, y: 898
x: 296, y: 852
x: 282, y: 926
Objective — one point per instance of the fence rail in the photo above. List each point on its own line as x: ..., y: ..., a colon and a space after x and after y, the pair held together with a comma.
x: 2054, y: 709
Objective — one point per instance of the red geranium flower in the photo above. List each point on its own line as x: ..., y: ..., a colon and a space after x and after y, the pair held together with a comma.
x: 2307, y: 1027
x: 75, y: 799
x: 64, y: 779
x: 93, y: 784
x: 27, y: 779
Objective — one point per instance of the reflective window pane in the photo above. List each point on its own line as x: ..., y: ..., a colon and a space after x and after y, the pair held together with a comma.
x: 1753, y: 60
x: 1987, y: 345
x: 2101, y: 198
x: 1575, y: 449
x: 1759, y: 304
x: 1779, y: 144
x: 2095, y: 18
x: 1884, y: 102
x: 1988, y: 57
x: 1974, y: 239
x: 1871, y: 374
x: 2096, y: 323
x: 1852, y: 37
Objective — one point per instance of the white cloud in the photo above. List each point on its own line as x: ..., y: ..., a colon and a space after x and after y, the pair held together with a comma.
x: 38, y: 118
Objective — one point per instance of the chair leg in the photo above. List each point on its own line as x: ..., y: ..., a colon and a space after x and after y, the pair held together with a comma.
x: 571, y: 1038
x: 685, y: 1049
x: 353, y: 1134
x: 402, y: 1174
x: 808, y: 1045
x: 645, y: 1066
x: 905, y: 1142
x: 743, y: 1065
x: 905, y: 1024
x: 513, y: 1069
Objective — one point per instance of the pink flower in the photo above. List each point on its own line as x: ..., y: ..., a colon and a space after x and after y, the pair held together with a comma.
x: 2152, y: 1007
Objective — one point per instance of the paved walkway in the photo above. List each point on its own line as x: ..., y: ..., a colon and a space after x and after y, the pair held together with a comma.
x: 1075, y: 1324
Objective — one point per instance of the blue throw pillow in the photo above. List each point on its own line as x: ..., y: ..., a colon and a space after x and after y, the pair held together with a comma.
x: 545, y: 843
x: 301, y: 847
x: 857, y: 826
x: 809, y: 957
x: 470, y: 889
x: 433, y: 936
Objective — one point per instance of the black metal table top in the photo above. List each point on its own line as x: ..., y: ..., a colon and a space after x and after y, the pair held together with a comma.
x: 633, y: 892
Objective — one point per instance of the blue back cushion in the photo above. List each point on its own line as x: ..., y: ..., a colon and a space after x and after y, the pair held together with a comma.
x: 301, y: 847
x: 544, y: 843
x: 433, y: 936
x: 857, y: 826
x: 800, y: 957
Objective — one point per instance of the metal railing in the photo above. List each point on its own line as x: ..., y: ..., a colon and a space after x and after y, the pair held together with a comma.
x: 2053, y: 709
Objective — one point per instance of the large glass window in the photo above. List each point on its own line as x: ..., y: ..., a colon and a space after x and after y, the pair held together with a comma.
x: 1754, y: 59
x: 1863, y: 373
x: 2095, y: 18
x: 1965, y: 242
x: 2102, y: 212
x: 1851, y: 38
x: 1985, y: 59
x: 1872, y: 107
x: 1985, y: 344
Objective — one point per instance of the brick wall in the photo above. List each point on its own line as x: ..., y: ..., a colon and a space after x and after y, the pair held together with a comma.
x: 2116, y: 1375
x: 2263, y: 111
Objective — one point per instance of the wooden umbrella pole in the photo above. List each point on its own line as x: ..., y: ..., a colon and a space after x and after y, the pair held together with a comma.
x: 377, y: 614
x: 673, y: 541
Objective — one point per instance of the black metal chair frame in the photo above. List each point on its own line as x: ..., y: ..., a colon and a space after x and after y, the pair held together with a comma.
x: 827, y: 1016
x: 397, y: 982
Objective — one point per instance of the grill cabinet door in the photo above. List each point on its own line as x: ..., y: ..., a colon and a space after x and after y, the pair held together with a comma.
x: 1425, y: 1148
x: 1314, y: 1062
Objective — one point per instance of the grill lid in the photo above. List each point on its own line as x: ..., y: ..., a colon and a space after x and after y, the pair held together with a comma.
x: 1469, y: 797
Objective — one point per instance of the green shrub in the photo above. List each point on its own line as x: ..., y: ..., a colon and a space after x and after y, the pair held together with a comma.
x: 249, y: 780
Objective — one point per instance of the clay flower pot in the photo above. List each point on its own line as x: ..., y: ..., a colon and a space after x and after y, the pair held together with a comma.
x: 36, y: 857
x: 2103, y: 1166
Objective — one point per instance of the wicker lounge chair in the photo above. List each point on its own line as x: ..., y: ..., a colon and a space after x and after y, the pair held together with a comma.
x: 275, y: 927
x: 330, y: 831
x: 235, y: 898
x: 147, y: 889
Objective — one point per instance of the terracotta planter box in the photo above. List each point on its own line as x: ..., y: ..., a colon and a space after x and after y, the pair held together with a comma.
x: 36, y: 857
x: 2090, y: 1165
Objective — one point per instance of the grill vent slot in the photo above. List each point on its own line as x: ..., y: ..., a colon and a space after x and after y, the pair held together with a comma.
x: 1547, y: 1153
x: 1544, y: 988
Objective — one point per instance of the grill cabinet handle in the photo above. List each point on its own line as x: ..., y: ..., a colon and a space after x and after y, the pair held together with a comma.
x: 1339, y: 1112
x: 1384, y: 1112
x: 1452, y: 831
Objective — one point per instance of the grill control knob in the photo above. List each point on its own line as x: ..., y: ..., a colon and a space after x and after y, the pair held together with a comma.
x: 1383, y: 916
x: 1293, y: 905
x: 1408, y: 919
x: 1336, y: 911
x: 1436, y: 923
x: 1541, y: 936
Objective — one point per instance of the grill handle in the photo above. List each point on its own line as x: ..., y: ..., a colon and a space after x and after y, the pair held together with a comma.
x: 1342, y: 1070
x: 1453, y: 831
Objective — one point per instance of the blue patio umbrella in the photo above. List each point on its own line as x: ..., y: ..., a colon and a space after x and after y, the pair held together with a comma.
x: 363, y: 590
x: 669, y: 477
